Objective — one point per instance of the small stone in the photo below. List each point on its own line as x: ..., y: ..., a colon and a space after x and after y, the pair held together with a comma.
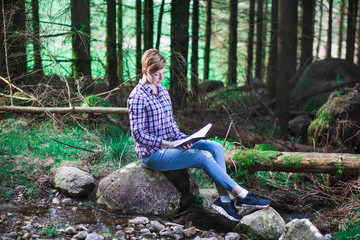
x: 94, y: 236
x: 232, y: 236
x: 139, y: 220
x: 81, y: 228
x: 118, y: 227
x: 189, y: 232
x: 35, y: 236
x: 3, y: 217
x: 66, y: 201
x: 156, y: 226
x: 129, y: 230
x: 166, y: 232
x: 120, y: 234
x: 9, y: 214
x: 70, y: 231
x: 26, y: 235
x: 197, y: 238
x: 81, y: 235
x: 12, y: 234
x: 56, y: 201
x: 145, y: 232
x: 74, y: 209
x: 28, y: 228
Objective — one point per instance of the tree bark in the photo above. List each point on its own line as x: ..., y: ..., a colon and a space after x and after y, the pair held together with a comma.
x: 16, y: 41
x: 286, y: 67
x: 307, y: 33
x: 120, y: 51
x: 330, y: 29
x: 320, y: 30
x: 2, y: 46
x: 259, y: 40
x: 207, y: 40
x: 138, y: 38
x: 159, y: 24
x: 273, y: 49
x: 194, y: 50
x: 232, y: 61
x: 148, y: 24
x: 341, y: 28
x: 111, y: 59
x: 37, y: 69
x: 105, y: 110
x: 179, y: 51
x: 301, y: 162
x: 80, y: 19
x: 250, y: 43
x: 351, y: 30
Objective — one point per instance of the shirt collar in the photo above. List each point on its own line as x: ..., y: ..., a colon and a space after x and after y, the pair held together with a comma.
x: 148, y: 89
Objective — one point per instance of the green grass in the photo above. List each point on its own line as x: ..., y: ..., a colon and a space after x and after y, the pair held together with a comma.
x: 27, y: 150
x: 350, y: 230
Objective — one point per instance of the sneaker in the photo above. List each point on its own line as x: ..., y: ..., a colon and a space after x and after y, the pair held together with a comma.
x: 251, y: 200
x: 226, y: 209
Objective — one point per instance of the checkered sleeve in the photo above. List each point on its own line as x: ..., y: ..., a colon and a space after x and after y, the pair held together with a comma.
x: 138, y: 119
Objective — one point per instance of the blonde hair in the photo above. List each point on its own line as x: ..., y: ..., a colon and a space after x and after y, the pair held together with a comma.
x: 153, y: 61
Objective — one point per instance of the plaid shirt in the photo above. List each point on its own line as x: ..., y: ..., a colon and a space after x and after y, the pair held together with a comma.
x: 151, y: 119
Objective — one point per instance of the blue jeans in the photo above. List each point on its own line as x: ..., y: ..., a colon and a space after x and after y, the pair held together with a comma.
x: 203, y: 154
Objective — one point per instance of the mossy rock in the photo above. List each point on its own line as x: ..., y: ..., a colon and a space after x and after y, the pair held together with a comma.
x: 330, y: 73
x: 336, y: 127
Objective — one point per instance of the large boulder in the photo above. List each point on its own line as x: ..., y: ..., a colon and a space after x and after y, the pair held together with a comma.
x: 301, y: 229
x: 135, y: 189
x: 320, y: 79
x: 74, y: 182
x: 265, y: 223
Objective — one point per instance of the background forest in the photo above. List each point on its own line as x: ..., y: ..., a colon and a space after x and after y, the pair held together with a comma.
x: 238, y: 64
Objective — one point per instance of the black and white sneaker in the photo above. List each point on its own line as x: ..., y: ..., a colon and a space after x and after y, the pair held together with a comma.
x: 226, y: 209
x: 251, y: 200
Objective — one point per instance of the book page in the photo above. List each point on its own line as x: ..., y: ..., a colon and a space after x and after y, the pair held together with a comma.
x: 194, y: 137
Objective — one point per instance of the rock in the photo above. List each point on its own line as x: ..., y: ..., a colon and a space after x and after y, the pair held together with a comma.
x: 28, y: 228
x: 208, y: 196
x: 70, y: 231
x: 189, y: 232
x: 56, y: 201
x: 301, y: 229
x: 94, y: 236
x: 157, y: 226
x: 265, y: 223
x: 66, y: 201
x: 325, y: 74
x: 73, y: 181
x: 166, y: 232
x: 135, y: 189
x: 139, y: 220
x: 81, y: 235
x: 232, y: 236
x: 299, y: 124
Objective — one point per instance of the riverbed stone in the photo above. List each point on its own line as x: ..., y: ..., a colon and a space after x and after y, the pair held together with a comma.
x: 265, y: 223
x: 135, y: 189
x: 94, y: 236
x: 301, y: 229
x: 73, y: 181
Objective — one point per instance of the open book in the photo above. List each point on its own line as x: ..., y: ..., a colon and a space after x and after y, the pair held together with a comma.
x: 192, y: 138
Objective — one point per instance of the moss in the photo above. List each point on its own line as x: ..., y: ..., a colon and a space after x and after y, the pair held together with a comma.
x: 322, y: 118
x: 265, y: 147
x: 292, y: 160
x: 248, y: 157
x: 94, y: 101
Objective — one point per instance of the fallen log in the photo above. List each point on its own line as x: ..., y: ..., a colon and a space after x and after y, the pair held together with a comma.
x: 304, y: 162
x: 105, y: 110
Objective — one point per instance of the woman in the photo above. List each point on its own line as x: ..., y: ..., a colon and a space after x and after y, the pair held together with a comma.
x: 154, y: 128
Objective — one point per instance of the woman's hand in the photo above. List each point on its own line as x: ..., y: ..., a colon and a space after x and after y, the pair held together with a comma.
x: 165, y: 144
x: 187, y: 146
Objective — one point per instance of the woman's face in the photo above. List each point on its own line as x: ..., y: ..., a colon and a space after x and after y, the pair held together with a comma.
x: 156, y: 77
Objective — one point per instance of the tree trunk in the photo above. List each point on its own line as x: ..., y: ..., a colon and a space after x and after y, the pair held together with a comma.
x: 15, y: 40
x: 179, y: 51
x: 250, y: 44
x: 358, y: 41
x: 273, y: 49
x: 104, y: 110
x: 286, y: 67
x: 207, y: 40
x: 148, y: 24
x: 330, y: 29
x: 80, y: 19
x: 307, y: 33
x: 320, y: 30
x: 351, y: 30
x: 2, y: 47
x: 195, y: 56
x: 111, y: 60
x: 300, y: 162
x: 259, y: 40
x: 232, y: 61
x: 341, y: 28
x: 120, y: 51
x: 138, y: 38
x: 37, y: 69
x: 159, y: 24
